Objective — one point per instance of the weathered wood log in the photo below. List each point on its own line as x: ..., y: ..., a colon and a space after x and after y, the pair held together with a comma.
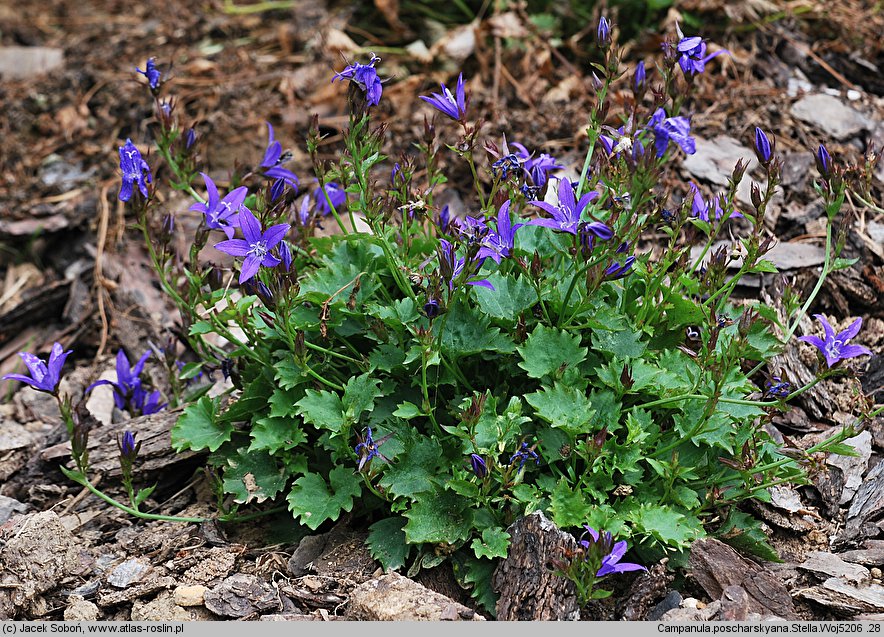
x: 529, y: 589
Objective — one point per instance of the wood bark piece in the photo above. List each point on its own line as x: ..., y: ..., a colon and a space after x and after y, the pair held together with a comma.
x: 645, y: 592
x: 242, y: 595
x: 867, y: 505
x: 843, y: 598
x: 529, y: 590
x: 833, y: 566
x: 154, y: 434
x: 716, y: 566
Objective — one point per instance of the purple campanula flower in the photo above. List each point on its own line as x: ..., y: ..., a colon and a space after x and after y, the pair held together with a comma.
x: 834, y: 346
x: 499, y: 244
x: 43, y: 377
x: 823, y: 161
x: 443, y: 220
x: 776, y: 388
x: 451, y: 266
x: 221, y: 214
x: 432, y: 308
x: 135, y: 171
x: 671, y: 129
x: 505, y: 164
x: 762, y: 146
x: 273, y: 160
x: 365, y: 77
x: 189, y: 138
x: 127, y: 445
x: 256, y: 246
x: 522, y: 456
x: 129, y: 392
x: 566, y: 215
x: 304, y: 213
x: 454, y: 106
x: 537, y: 168
x: 285, y: 255
x: 276, y: 189
x: 368, y: 448
x: 691, y: 52
x: 397, y: 170
x: 639, y: 77
x: 472, y: 230
x: 145, y: 403
x: 603, y: 33
x: 477, y: 463
x: 602, y: 549
x: 618, y: 271
x: 331, y: 192
x: 708, y: 210
x: 152, y: 74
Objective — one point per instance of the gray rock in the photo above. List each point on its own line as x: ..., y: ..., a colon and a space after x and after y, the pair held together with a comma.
x: 241, y: 595
x: 79, y: 610
x: 853, y: 467
x: 829, y: 564
x: 831, y: 116
x: 309, y: 548
x: 840, y: 596
x: 128, y: 572
x: 9, y: 506
x: 21, y: 62
x: 672, y: 600
x: 396, y: 598
x: 715, y: 159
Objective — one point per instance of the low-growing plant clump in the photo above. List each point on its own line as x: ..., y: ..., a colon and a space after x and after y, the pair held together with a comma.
x: 439, y: 377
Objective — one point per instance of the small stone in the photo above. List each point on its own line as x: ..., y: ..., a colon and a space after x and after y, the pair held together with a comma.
x: 690, y: 602
x: 830, y: 115
x: 128, y: 573
x: 190, y: 595
x: 21, y: 62
x: 875, y: 572
x: 79, y: 610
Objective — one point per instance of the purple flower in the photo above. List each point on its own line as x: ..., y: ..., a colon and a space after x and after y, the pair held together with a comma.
x: 823, y: 161
x: 128, y: 448
x: 451, y: 266
x: 477, y: 463
x: 708, y: 210
x: 443, y: 219
x: 523, y: 454
x: 566, y: 215
x: 256, y: 246
x: 304, y: 211
x: 285, y: 254
x: 776, y: 388
x: 129, y: 392
x: 603, y: 33
x: 639, y: 77
x: 133, y: 167
x: 331, y: 192
x: 834, y: 346
x: 454, y: 106
x: 675, y: 129
x: 537, y: 168
x: 762, y: 146
x: 367, y: 449
x: 273, y: 160
x: 497, y: 245
x: 603, y: 548
x: 366, y: 78
x: 42, y: 377
x: 617, y: 271
x: 432, y: 309
x: 221, y: 214
x: 152, y: 74
x: 692, y: 56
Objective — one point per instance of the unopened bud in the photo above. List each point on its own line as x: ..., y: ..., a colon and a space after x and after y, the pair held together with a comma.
x: 755, y: 196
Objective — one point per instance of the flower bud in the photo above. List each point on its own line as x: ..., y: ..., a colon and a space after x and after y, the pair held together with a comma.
x: 639, y: 79
x: 823, y: 161
x: 762, y: 147
x: 168, y: 229
x: 755, y: 196
x: 603, y: 33
x: 478, y: 465
x: 189, y: 138
x: 432, y: 308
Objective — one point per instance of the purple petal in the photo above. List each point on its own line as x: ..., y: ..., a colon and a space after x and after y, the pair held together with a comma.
x: 24, y: 379
x: 624, y: 567
x: 56, y: 361
x: 235, y: 247
x: 851, y: 331
x: 124, y: 372
x: 139, y: 366
x: 852, y: 351
x: 548, y: 207
x: 211, y: 190
x: 592, y: 532
x: 586, y: 198
x: 99, y: 382
x: 816, y: 341
x: 250, y: 267
x: 566, y: 195
x: 830, y: 331
x: 251, y: 227
x: 275, y: 234
x: 484, y: 283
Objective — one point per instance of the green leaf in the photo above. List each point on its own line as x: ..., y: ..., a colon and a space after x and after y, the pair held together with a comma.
x: 282, y: 402
x: 568, y: 507
x: 841, y: 449
x: 415, y: 471
x: 253, y: 400
x: 744, y: 533
x: 666, y: 525
x: 623, y: 344
x: 386, y: 542
x: 201, y: 327
x: 323, y: 409
x: 407, y: 411
x: 465, y: 488
x: 386, y: 357
x: 469, y: 332
x: 275, y: 434
x: 197, y: 428
x: 842, y: 264
x: 314, y: 501
x: 475, y: 574
x: 443, y: 518
x: 548, y: 349
x: 764, y: 265
x: 359, y: 395
x: 509, y: 298
x: 565, y: 407
x: 253, y: 476
x: 494, y: 543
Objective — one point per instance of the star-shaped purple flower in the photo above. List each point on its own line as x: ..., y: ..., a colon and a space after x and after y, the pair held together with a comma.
x: 221, y: 214
x: 612, y: 553
x: 454, y: 106
x: 708, y: 210
x: 152, y: 73
x: 451, y: 266
x: 366, y: 78
x: 135, y: 171
x: 273, y: 160
x: 43, y: 377
x: 671, y: 129
x: 692, y: 56
x: 566, y: 216
x: 499, y: 244
x: 129, y: 392
x: 834, y: 346
x: 334, y: 193
x: 256, y: 246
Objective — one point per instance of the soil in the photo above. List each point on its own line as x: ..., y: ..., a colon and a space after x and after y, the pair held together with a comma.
x: 73, y: 270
